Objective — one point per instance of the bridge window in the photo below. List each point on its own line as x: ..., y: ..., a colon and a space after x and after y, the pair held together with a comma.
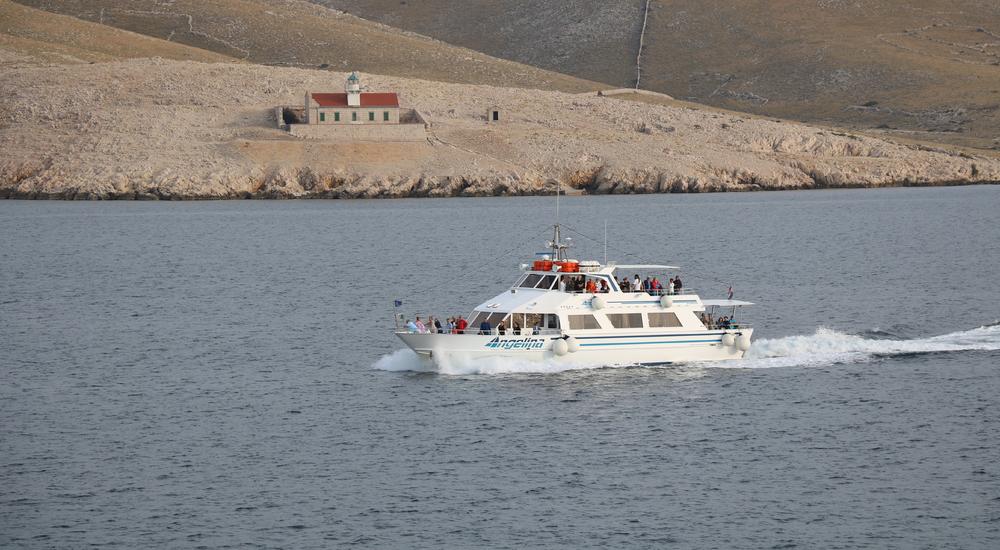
x: 583, y: 322
x: 625, y: 320
x: 531, y: 280
x: 660, y: 320
x: 546, y: 282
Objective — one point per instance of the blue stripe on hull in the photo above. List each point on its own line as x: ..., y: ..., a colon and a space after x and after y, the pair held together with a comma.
x: 646, y: 343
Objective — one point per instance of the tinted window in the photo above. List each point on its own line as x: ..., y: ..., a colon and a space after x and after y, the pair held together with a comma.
x: 546, y: 282
x: 531, y: 280
x: 625, y: 320
x: 663, y: 320
x: 583, y: 322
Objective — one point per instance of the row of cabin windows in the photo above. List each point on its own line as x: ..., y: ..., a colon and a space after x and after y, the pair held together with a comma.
x: 354, y: 116
x: 576, y: 322
x: 625, y: 320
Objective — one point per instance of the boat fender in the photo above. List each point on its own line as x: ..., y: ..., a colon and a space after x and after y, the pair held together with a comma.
x: 667, y: 301
x: 728, y: 339
x: 560, y: 347
x: 572, y: 345
x: 598, y: 302
x: 743, y: 342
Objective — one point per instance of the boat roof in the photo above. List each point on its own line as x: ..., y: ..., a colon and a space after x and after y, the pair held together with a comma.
x: 642, y: 266
x: 725, y: 303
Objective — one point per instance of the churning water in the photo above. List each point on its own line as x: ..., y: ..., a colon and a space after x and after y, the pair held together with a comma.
x: 222, y: 375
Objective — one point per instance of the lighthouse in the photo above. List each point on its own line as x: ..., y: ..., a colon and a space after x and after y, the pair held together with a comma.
x: 353, y: 89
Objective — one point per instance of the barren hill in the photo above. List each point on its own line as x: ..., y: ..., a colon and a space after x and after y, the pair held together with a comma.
x: 297, y: 33
x: 927, y: 69
x: 180, y: 129
x: 32, y: 36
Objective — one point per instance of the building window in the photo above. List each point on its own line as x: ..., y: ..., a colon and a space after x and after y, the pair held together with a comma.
x: 385, y: 116
x: 354, y: 116
x: 660, y: 320
x: 496, y: 115
x: 322, y: 117
x: 583, y: 322
x: 371, y: 116
x: 626, y: 320
x: 336, y: 116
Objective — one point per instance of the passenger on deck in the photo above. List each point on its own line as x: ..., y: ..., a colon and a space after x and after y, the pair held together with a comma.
x: 450, y: 326
x: 562, y: 284
x: 670, y: 286
x: 536, y: 330
x: 677, y: 284
x: 657, y: 287
x: 437, y: 326
x: 517, y: 328
x: 724, y: 322
x: 591, y: 286
x: 421, y: 328
x: 626, y: 285
x: 646, y: 286
x: 501, y: 328
x: 636, y: 284
x: 411, y: 327
x: 604, y: 287
x: 461, y: 324
x: 485, y: 327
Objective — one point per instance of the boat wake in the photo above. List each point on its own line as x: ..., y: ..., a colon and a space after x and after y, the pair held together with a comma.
x: 824, y: 347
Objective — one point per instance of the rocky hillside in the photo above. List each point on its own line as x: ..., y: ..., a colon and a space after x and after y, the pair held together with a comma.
x: 30, y: 36
x: 180, y: 129
x: 295, y: 33
x: 922, y: 69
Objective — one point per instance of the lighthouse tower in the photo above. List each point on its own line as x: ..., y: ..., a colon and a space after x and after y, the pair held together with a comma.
x: 353, y: 89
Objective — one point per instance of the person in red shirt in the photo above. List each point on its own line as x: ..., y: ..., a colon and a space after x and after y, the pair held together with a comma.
x: 462, y: 323
x: 591, y: 286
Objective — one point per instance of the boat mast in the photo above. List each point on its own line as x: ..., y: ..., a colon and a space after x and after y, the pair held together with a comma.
x: 557, y: 246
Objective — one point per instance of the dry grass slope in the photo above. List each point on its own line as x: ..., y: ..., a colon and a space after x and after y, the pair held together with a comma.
x: 922, y: 69
x: 31, y: 36
x: 300, y: 34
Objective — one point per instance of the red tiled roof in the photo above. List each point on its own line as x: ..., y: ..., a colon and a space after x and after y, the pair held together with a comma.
x: 367, y: 100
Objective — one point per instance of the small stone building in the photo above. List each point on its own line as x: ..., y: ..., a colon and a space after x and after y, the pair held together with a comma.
x: 352, y: 107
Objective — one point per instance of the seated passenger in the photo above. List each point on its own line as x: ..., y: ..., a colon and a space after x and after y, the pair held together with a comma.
x: 517, y: 328
x: 536, y: 330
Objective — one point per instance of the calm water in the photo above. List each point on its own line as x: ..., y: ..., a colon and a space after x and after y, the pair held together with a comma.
x: 222, y: 375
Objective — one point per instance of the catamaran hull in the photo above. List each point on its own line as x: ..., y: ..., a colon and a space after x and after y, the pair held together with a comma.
x: 639, y: 349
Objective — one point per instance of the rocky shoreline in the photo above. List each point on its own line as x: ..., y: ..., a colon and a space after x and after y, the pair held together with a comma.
x: 153, y: 129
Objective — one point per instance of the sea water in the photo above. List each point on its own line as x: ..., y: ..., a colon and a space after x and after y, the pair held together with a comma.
x: 223, y: 374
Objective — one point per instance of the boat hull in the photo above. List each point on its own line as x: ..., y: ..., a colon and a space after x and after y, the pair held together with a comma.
x: 630, y: 349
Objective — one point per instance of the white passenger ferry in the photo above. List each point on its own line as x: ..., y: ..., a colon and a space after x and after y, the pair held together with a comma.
x: 549, y: 314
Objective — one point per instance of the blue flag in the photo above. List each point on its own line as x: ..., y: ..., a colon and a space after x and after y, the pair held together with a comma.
x: 397, y: 303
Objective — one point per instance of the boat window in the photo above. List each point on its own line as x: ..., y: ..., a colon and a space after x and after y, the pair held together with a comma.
x: 520, y: 280
x: 625, y: 320
x: 531, y: 280
x: 663, y: 320
x: 583, y: 322
x: 546, y: 282
x: 552, y: 320
x: 495, y: 318
x: 477, y: 319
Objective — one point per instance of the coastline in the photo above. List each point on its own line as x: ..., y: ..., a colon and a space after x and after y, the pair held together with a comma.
x: 157, y: 129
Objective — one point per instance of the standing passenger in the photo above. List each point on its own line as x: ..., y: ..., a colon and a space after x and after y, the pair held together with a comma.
x: 636, y: 284
x: 421, y: 328
x: 677, y: 283
x: 591, y: 286
x: 461, y: 324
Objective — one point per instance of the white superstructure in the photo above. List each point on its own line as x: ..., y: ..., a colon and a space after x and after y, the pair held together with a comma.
x: 567, y: 310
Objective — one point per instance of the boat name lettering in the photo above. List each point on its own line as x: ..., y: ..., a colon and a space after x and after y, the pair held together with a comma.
x: 516, y: 343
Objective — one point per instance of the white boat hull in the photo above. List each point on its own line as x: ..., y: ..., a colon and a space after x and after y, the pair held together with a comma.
x: 619, y: 349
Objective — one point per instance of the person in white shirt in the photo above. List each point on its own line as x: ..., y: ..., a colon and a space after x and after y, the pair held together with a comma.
x: 637, y: 284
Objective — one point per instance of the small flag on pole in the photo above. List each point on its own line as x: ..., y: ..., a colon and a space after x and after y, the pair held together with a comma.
x: 397, y: 303
x: 730, y: 292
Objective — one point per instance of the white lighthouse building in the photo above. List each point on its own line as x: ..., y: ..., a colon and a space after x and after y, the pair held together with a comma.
x: 353, y: 106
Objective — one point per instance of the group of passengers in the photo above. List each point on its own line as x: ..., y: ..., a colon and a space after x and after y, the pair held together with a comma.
x: 582, y: 284
x: 651, y: 285
x: 723, y: 322
x: 454, y: 325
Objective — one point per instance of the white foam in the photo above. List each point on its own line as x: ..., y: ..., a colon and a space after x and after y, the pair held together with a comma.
x: 824, y: 347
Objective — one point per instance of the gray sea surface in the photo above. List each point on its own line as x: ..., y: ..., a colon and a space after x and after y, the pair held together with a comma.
x: 223, y: 375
